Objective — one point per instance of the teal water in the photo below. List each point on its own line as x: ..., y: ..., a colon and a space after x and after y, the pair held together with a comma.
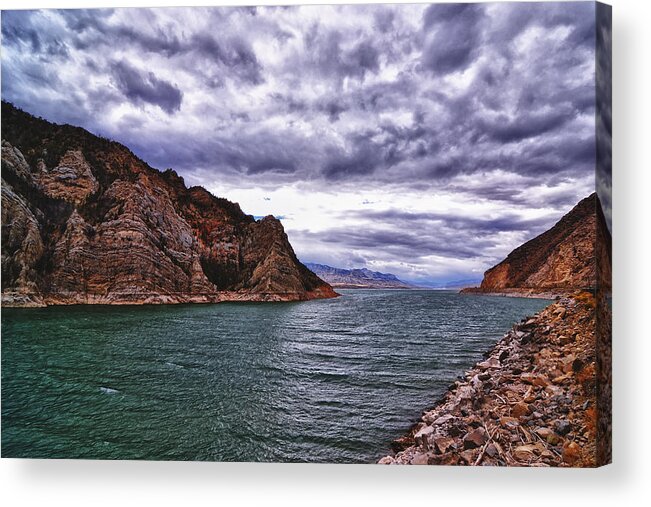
x: 319, y: 381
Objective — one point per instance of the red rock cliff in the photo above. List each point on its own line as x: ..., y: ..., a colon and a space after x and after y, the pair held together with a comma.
x: 574, y: 254
x: 85, y: 221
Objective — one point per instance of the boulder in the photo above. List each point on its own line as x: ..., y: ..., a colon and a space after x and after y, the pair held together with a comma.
x: 443, y: 444
x: 475, y: 438
x: 562, y: 427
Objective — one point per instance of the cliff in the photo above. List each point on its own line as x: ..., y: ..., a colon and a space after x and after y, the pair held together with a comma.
x: 85, y: 221
x: 358, y: 278
x: 574, y: 254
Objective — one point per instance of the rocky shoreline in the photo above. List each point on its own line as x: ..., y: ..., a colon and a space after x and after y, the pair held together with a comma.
x: 517, y: 293
x: 23, y: 300
x: 534, y: 401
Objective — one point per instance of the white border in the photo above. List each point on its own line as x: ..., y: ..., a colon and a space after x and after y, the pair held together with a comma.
x: 627, y: 481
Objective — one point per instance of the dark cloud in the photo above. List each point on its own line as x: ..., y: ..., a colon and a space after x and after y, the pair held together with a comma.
x: 384, y: 19
x: 479, y: 225
x: 234, y: 53
x: 19, y: 31
x: 481, y: 101
x: 140, y: 86
x: 333, y: 108
x: 330, y: 58
x: 454, y: 34
x: 364, y: 158
x: 526, y: 125
x: 415, y: 243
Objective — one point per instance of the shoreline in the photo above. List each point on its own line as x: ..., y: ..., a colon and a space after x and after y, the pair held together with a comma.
x: 533, y: 401
x: 518, y: 293
x: 24, y: 300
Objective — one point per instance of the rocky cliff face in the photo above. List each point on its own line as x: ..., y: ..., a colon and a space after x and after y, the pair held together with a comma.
x: 574, y: 254
x: 85, y: 221
x: 357, y: 278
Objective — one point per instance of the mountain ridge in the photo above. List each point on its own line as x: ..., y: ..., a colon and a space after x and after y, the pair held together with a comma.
x: 85, y: 221
x: 357, y: 277
x: 574, y: 254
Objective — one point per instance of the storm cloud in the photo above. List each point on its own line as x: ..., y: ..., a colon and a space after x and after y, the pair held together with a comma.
x: 431, y: 139
x: 145, y: 86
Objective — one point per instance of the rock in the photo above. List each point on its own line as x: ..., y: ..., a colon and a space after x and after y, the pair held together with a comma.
x: 475, y: 438
x: 469, y: 456
x: 562, y: 378
x: 443, y: 444
x: 525, y: 452
x: 509, y: 422
x: 387, y: 460
x: 544, y: 432
x: 562, y: 427
x: 533, y: 379
x: 420, y: 459
x: 449, y: 458
x: 553, y: 390
x: 553, y: 439
x: 22, y: 248
x: 422, y: 436
x: 476, y: 384
x: 555, y: 423
x: 72, y: 180
x: 520, y: 410
x: 491, y: 450
x: 560, y: 312
x: 466, y: 393
x: 490, y: 363
x: 571, y: 453
x: 567, y: 363
x: 565, y: 339
x: 447, y: 418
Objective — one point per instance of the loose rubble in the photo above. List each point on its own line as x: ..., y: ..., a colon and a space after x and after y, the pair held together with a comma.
x: 531, y: 402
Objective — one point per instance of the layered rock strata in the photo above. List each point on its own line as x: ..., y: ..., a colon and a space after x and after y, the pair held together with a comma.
x: 84, y: 221
x: 574, y: 254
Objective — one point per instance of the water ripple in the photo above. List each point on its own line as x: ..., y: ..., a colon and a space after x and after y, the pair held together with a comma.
x: 320, y: 381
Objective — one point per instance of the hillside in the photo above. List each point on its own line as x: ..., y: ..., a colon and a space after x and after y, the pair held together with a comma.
x: 85, y: 221
x: 574, y: 254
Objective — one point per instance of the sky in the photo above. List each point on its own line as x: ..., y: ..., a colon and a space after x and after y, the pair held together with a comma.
x: 423, y: 140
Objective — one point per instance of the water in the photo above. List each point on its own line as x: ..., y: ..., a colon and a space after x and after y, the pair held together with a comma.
x: 320, y: 381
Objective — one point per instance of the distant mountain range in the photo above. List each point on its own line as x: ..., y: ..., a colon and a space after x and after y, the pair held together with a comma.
x: 458, y: 284
x: 357, y: 278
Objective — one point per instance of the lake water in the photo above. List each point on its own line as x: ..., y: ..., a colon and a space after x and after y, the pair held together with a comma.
x: 319, y: 381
